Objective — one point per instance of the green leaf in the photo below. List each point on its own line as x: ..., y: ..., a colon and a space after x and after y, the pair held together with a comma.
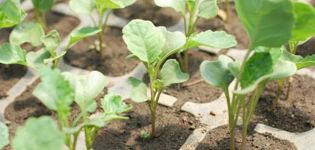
x: 51, y: 41
x: 11, y: 54
x: 37, y: 59
x: 208, y: 9
x: 82, y: 6
x: 305, y: 22
x: 28, y: 32
x: 87, y: 88
x: 144, y: 40
x: 39, y: 134
x: 4, y: 135
x: 174, y: 41
x: 54, y: 91
x: 178, y: 5
x: 113, y: 104
x: 217, y: 72
x: 171, y: 73
x: 263, y: 67
x: 217, y: 39
x: 267, y: 22
x: 104, y: 5
x: 82, y: 33
x: 138, y: 91
x: 10, y: 14
x: 43, y: 5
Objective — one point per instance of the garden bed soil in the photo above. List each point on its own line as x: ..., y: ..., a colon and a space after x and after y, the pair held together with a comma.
x: 195, y: 89
x: 147, y: 10
x: 173, y: 128
x: 295, y: 114
x: 112, y: 60
x: 219, y: 138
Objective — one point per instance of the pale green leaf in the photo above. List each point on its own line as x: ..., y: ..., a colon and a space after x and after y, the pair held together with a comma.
x: 28, y: 32
x: 208, y: 9
x: 178, y: 5
x: 87, y: 88
x: 82, y: 33
x: 4, y: 135
x: 267, y: 22
x: 51, y: 41
x: 305, y: 22
x: 39, y: 134
x: 10, y: 14
x: 174, y: 41
x: 82, y: 6
x: 171, y: 73
x: 113, y: 104
x: 54, y: 91
x: 144, y: 40
x: 217, y: 72
x: 217, y: 39
x: 11, y: 54
x: 138, y: 91
x: 37, y: 59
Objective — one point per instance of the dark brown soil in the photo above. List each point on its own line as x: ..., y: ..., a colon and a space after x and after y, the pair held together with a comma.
x: 233, y: 26
x: 111, y: 61
x: 219, y: 138
x: 147, y: 10
x: 295, y: 114
x: 307, y: 48
x: 173, y: 128
x: 195, y: 89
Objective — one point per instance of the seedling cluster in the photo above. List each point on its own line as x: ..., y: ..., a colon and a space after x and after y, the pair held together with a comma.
x: 275, y: 29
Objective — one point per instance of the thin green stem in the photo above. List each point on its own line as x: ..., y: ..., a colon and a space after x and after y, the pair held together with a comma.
x: 279, y: 92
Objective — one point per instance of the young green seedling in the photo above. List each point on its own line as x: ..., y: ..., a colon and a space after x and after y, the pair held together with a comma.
x: 103, y: 8
x: 301, y: 32
x: 10, y: 13
x: 41, y: 7
x: 191, y: 11
x: 268, y: 24
x: 58, y: 91
x: 153, y: 46
x: 33, y: 33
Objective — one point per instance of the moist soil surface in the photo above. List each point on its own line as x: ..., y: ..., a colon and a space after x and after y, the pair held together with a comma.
x: 195, y: 89
x: 111, y: 60
x: 147, y: 10
x: 173, y: 128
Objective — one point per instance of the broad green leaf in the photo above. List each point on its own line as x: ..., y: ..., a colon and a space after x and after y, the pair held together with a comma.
x: 87, y: 88
x: 39, y: 134
x: 144, y: 40
x: 124, y: 3
x: 28, y: 32
x: 217, y: 39
x: 10, y: 14
x: 4, y: 135
x: 113, y: 104
x: 262, y: 67
x: 305, y: 62
x: 208, y: 9
x: 138, y: 92
x: 178, y: 5
x: 267, y: 22
x: 54, y: 91
x: 51, y: 41
x: 11, y: 54
x: 174, y: 41
x: 43, y: 5
x: 235, y: 68
x: 103, y: 5
x: 171, y: 73
x: 82, y: 33
x: 82, y: 6
x: 37, y: 59
x: 305, y: 22
x: 217, y: 72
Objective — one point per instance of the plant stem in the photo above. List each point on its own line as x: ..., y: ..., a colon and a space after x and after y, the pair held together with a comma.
x: 279, y: 92
x: 244, y: 129
x: 289, y: 88
x: 40, y: 18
